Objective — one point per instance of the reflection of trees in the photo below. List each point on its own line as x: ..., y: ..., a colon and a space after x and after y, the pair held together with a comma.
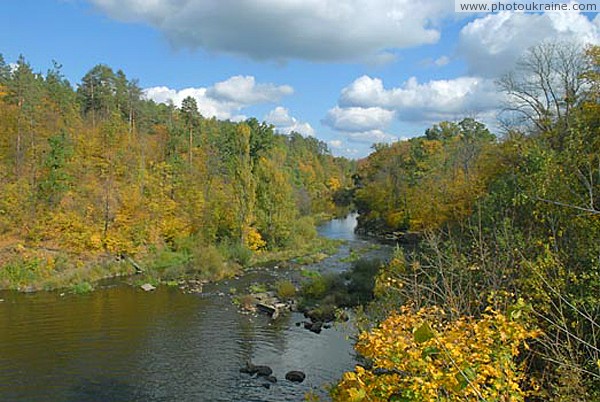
x: 255, y: 332
x: 106, y: 332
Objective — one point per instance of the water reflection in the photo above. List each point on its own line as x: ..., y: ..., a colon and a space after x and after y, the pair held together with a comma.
x: 341, y: 229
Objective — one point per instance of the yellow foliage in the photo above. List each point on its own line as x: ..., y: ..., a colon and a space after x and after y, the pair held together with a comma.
x: 421, y: 356
x: 395, y: 219
x: 334, y: 184
x: 254, y: 240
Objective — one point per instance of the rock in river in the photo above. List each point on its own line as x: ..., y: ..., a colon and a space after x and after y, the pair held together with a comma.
x: 148, y: 287
x: 314, y: 326
x: 261, y: 371
x: 295, y: 376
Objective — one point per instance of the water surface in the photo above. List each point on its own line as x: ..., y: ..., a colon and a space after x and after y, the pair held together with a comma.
x: 122, y: 344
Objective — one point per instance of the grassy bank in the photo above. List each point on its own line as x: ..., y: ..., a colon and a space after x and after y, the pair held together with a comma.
x: 26, y: 268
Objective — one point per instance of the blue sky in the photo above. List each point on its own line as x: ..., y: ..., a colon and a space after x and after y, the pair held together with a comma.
x: 350, y: 72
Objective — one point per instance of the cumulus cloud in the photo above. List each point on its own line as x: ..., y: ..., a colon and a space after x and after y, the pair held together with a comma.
x: 492, y: 44
x: 366, y: 108
x: 358, y: 119
x: 362, y: 125
x: 319, y: 30
x: 224, y: 99
x: 285, y: 123
x: 423, y: 102
x: 245, y: 90
x: 371, y: 137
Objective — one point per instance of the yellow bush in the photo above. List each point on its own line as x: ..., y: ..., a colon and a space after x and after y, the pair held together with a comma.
x: 421, y: 356
x: 254, y: 240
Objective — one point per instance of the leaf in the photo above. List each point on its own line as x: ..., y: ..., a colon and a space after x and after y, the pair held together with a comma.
x: 356, y: 395
x: 423, y: 333
x: 464, y: 377
x: 430, y: 351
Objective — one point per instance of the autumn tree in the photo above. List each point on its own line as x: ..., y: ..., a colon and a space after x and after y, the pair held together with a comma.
x: 546, y: 85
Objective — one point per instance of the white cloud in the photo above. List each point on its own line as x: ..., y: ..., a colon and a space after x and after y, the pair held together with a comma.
x: 358, y: 119
x: 224, y: 99
x: 320, y: 30
x: 284, y: 123
x: 366, y: 109
x: 336, y: 144
x: 207, y: 106
x: 371, y: 137
x: 363, y: 125
x: 427, y: 102
x: 245, y: 90
x: 492, y: 44
x: 441, y: 61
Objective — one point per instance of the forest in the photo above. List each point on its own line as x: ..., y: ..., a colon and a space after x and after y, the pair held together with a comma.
x: 499, y: 298
x: 95, y: 177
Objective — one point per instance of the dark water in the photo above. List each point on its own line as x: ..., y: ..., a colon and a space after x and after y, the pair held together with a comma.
x: 122, y: 344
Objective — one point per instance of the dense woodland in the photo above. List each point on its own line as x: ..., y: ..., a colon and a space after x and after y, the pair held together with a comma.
x: 500, y: 300
x: 99, y: 173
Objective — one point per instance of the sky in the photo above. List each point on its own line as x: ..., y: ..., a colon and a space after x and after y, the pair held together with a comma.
x: 349, y: 72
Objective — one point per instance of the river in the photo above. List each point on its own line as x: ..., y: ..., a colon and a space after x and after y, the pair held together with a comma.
x: 122, y: 344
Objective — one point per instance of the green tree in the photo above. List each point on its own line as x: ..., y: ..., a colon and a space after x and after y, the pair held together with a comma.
x: 191, y: 118
x: 97, y: 93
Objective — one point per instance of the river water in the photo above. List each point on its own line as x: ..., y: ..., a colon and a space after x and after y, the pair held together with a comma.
x: 122, y: 344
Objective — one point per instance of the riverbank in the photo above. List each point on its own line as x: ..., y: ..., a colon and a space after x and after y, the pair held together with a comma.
x: 28, y: 268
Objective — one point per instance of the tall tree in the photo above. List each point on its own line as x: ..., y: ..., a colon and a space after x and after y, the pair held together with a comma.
x: 4, y: 71
x: 191, y: 117
x: 546, y: 85
x: 97, y: 93
x: 244, y: 182
x: 25, y: 92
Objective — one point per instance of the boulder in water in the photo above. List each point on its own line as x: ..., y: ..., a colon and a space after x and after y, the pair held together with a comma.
x: 261, y: 371
x: 295, y: 376
x: 316, y: 327
x: 146, y: 287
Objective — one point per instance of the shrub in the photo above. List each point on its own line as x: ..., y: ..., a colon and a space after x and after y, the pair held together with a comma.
x: 234, y: 251
x: 285, y: 289
x: 315, y: 288
x: 422, y: 356
x: 166, y: 259
x: 209, y: 263
x: 361, y: 279
x: 304, y: 232
x: 81, y: 288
